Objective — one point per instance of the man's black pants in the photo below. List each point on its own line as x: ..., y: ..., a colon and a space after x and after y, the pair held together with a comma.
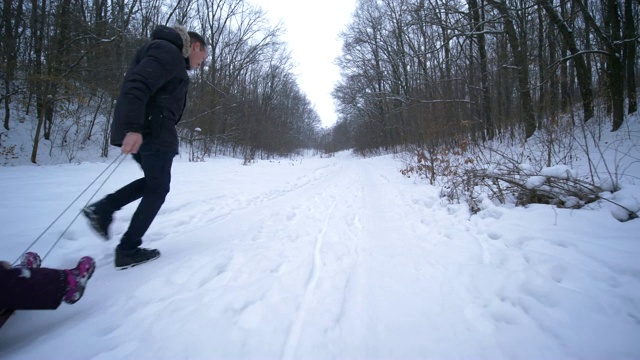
x: 152, y: 188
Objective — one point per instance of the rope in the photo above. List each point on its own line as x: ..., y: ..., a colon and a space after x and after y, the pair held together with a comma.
x: 68, y: 207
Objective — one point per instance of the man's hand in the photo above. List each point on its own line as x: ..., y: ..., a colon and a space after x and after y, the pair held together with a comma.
x: 131, y: 143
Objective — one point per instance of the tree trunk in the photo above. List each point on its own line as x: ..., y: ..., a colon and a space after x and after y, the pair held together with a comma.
x: 107, y: 128
x: 583, y: 75
x: 36, y: 141
x: 542, y: 67
x: 520, y: 59
x: 553, y: 81
x: 630, y: 56
x: 485, y: 97
x: 9, y: 53
x: 8, y: 43
x: 615, y: 68
x: 38, y: 23
x: 49, y: 111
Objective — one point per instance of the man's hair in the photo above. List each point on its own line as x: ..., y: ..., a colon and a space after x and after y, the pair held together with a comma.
x: 195, y: 37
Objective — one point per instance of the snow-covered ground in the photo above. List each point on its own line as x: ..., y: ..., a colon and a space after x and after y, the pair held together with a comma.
x: 324, y: 258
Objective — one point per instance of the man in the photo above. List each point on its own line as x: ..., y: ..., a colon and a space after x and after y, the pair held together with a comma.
x: 151, y: 102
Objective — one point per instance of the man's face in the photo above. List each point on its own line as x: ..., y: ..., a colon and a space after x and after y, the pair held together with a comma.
x: 197, y: 55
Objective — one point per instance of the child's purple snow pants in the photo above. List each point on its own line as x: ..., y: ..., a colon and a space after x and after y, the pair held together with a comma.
x: 31, y: 289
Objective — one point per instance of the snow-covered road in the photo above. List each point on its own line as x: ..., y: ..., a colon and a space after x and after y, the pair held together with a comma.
x: 325, y: 258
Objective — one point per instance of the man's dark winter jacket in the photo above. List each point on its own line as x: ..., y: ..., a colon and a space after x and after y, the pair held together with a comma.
x: 154, y: 91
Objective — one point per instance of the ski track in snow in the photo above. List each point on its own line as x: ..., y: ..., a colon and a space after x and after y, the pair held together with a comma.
x: 337, y: 258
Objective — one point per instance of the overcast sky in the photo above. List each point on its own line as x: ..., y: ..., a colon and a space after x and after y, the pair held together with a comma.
x: 312, y: 29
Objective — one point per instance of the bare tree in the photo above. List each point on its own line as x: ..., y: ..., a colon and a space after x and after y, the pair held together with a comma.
x: 38, y: 21
x: 582, y: 72
x: 611, y: 40
x: 629, y: 52
x: 12, y: 18
x: 477, y: 32
x: 521, y: 64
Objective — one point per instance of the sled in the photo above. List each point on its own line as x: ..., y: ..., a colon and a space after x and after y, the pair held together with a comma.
x: 5, y: 314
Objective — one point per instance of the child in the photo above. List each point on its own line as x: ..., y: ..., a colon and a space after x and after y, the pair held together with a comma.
x: 30, y: 287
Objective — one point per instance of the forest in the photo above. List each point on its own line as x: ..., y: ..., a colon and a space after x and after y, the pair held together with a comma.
x: 416, y: 74
x: 435, y: 73
x: 63, y: 63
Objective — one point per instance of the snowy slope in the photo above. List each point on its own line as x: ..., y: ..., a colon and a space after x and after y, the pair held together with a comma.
x: 325, y: 258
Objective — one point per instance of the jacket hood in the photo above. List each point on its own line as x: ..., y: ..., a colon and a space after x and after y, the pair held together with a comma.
x: 177, y: 35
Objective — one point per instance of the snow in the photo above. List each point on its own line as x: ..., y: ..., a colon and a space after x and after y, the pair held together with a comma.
x: 562, y: 172
x: 325, y: 258
x: 559, y: 172
x: 535, y: 182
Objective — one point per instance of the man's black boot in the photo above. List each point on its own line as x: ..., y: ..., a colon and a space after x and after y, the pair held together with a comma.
x: 129, y: 258
x: 100, y: 217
